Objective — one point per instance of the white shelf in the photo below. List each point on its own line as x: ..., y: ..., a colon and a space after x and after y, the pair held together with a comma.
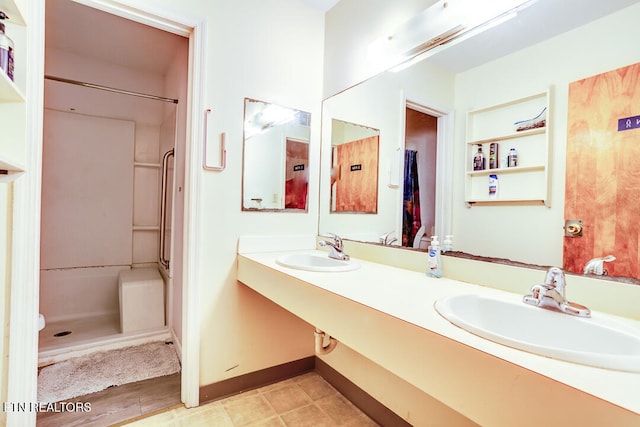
x: 9, y: 170
x: 507, y: 137
x: 529, y: 181
x: 13, y: 12
x: 9, y: 92
x: 517, y: 169
x: 11, y: 114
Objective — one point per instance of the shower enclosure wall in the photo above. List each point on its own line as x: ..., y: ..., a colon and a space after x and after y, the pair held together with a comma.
x: 104, y: 206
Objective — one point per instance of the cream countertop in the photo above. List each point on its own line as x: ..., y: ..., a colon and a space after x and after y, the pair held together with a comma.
x: 410, y: 296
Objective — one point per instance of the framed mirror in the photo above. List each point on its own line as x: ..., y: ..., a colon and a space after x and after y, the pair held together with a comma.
x: 506, y: 62
x: 275, y: 164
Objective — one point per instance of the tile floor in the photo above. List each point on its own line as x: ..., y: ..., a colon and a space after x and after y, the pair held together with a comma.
x: 304, y: 401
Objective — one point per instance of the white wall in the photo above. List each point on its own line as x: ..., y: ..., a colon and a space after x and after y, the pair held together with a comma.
x: 351, y: 25
x: 592, y: 49
x: 380, y: 103
x: 270, y: 51
x: 264, y: 158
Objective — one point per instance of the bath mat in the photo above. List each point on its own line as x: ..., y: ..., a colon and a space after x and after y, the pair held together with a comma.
x: 97, y: 371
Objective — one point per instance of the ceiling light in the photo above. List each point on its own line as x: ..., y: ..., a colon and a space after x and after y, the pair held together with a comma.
x: 441, y: 23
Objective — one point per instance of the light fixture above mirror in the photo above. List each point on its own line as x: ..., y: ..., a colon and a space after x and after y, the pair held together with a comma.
x: 440, y: 24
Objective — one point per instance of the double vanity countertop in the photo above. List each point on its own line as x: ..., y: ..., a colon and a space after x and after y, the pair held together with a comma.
x: 410, y: 296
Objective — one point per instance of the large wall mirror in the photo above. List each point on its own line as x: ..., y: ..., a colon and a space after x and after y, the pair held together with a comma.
x: 547, y: 46
x: 276, y: 157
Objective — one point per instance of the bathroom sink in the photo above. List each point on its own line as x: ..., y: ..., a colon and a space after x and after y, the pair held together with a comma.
x: 598, y: 341
x: 312, y: 262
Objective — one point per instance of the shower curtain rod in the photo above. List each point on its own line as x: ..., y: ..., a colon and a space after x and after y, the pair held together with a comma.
x: 110, y: 89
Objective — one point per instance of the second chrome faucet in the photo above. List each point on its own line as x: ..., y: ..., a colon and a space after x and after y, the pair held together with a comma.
x: 336, y: 248
x: 551, y: 295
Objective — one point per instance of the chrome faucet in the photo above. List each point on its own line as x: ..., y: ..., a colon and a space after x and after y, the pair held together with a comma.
x: 386, y: 238
x: 335, y: 248
x: 596, y: 265
x: 551, y: 295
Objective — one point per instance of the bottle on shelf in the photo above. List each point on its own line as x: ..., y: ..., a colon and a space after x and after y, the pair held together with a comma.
x: 478, y: 159
x: 493, y: 156
x: 512, y: 159
x: 6, y: 49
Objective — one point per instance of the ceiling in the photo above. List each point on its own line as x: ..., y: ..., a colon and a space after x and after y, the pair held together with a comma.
x: 86, y: 31
x: 76, y: 28
x: 544, y: 19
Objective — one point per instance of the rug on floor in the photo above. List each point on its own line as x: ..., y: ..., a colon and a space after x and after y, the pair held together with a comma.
x: 97, y: 371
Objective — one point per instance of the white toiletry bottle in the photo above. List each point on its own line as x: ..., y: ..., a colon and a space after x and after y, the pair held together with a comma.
x: 512, y: 160
x: 434, y: 265
x: 493, y: 186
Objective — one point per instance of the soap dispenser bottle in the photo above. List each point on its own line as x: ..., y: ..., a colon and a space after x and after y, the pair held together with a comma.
x: 447, y: 244
x: 434, y: 265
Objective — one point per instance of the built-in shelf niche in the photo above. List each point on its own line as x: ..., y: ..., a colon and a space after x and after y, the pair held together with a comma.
x: 529, y: 181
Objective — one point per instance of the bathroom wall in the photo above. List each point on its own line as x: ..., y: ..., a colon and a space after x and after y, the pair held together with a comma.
x: 363, y: 105
x: 270, y: 51
x: 351, y: 26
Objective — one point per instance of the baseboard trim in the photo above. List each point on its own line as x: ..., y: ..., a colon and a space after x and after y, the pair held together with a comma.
x: 256, y: 379
x: 363, y: 400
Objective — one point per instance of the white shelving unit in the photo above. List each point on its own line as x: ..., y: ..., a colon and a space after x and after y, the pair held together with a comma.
x: 529, y: 181
x: 12, y: 102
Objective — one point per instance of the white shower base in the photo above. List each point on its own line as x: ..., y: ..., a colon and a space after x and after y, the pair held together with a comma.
x: 89, y: 335
x: 84, y: 301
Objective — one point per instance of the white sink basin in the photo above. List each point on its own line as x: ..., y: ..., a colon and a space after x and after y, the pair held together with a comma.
x: 598, y: 341
x: 312, y: 262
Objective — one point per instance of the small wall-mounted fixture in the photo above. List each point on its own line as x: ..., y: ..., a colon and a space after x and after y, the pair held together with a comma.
x: 573, y: 228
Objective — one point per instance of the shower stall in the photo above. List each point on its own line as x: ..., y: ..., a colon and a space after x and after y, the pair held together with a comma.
x: 111, y: 200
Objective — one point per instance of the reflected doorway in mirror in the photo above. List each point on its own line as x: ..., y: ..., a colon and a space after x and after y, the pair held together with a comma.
x: 419, y: 191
